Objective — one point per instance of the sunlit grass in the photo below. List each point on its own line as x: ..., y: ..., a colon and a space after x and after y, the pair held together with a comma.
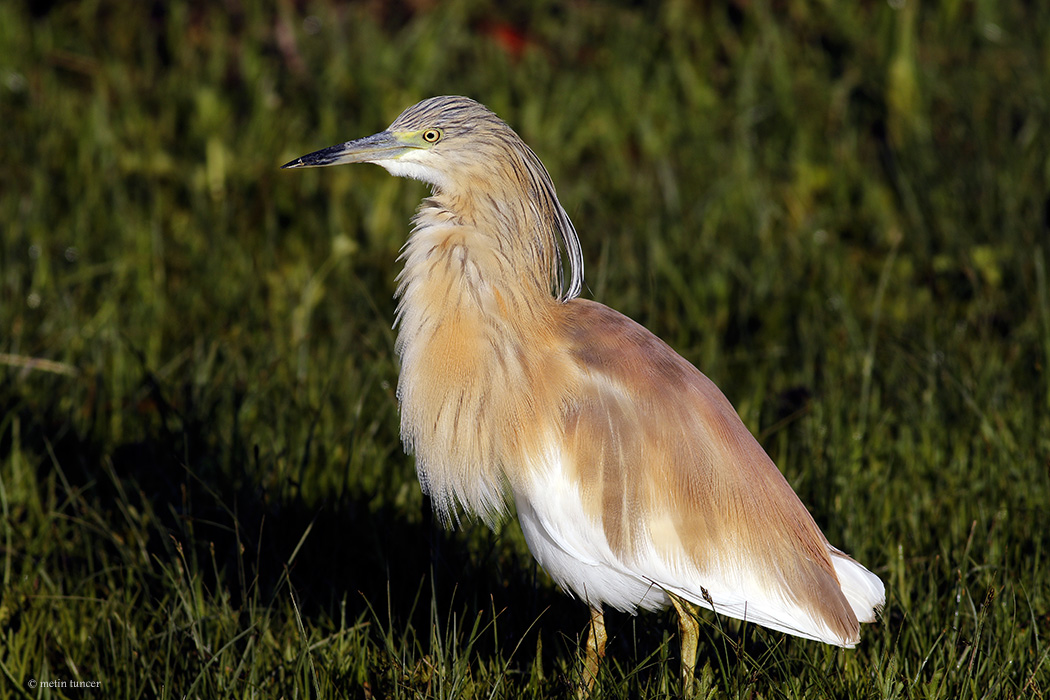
x: 839, y: 214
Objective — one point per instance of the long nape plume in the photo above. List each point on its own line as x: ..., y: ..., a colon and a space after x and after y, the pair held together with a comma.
x: 567, y: 259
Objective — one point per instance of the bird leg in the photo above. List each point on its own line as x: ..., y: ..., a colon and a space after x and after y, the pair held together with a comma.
x: 595, y: 652
x: 689, y: 631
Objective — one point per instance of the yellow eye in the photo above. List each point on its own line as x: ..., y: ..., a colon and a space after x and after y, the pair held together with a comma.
x: 431, y: 135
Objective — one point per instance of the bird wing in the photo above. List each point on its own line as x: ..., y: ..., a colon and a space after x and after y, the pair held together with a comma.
x: 685, y: 495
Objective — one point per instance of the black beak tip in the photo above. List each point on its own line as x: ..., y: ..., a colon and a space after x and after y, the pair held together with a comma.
x: 297, y: 163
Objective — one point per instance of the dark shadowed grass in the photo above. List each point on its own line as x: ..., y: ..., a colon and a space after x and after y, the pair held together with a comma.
x: 840, y: 214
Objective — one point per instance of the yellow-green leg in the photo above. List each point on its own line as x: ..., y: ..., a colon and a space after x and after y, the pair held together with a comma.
x: 689, y: 631
x: 595, y: 652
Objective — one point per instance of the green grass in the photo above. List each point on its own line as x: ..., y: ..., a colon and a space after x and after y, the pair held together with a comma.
x: 839, y: 213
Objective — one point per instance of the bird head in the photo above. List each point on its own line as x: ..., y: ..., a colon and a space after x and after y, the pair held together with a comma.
x: 440, y: 141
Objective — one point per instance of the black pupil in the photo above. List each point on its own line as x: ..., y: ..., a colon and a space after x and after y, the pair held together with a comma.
x: 430, y: 136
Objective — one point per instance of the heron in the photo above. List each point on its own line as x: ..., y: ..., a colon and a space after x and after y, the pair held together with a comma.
x: 636, y: 484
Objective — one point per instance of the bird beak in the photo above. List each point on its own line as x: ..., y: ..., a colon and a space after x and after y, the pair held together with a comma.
x: 382, y: 146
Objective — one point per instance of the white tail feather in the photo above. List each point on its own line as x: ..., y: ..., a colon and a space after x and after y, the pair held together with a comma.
x: 864, y: 591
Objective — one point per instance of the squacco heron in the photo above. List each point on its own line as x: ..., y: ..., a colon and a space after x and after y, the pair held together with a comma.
x: 635, y: 481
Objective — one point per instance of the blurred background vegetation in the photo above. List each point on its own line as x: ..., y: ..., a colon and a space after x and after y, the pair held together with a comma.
x: 838, y: 211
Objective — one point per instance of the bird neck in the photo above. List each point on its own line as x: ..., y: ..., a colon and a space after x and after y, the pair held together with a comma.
x: 517, y: 227
x: 474, y: 306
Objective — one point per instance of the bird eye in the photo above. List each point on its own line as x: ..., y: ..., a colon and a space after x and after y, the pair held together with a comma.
x: 431, y: 135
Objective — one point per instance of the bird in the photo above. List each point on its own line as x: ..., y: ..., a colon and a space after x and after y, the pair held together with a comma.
x: 635, y: 482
